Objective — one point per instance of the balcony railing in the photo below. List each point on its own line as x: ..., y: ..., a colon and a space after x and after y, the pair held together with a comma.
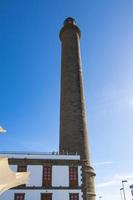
x: 35, y: 153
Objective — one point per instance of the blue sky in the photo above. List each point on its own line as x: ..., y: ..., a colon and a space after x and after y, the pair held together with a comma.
x: 30, y: 80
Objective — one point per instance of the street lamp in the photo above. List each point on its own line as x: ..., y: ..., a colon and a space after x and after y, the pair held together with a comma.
x: 124, y: 181
x: 121, y: 193
x: 100, y: 197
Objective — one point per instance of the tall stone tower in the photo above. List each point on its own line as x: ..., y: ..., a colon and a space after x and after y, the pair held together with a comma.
x: 73, y: 130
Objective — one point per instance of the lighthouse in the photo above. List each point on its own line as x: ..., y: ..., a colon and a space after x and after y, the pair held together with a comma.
x: 73, y: 127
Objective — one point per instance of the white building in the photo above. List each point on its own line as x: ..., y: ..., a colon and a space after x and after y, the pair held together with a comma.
x: 52, y: 176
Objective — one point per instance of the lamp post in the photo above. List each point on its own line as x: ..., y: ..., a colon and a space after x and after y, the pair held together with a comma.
x: 100, y: 197
x: 121, y: 193
x: 124, y: 181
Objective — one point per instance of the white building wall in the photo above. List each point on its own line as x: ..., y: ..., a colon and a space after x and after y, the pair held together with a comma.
x: 64, y: 194
x: 35, y: 178
x: 36, y: 194
x: 60, y: 176
x: 79, y: 175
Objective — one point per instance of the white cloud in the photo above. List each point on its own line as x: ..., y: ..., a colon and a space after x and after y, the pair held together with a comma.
x: 101, y: 163
x: 131, y: 102
x: 111, y: 196
x: 116, y: 180
x: 106, y: 184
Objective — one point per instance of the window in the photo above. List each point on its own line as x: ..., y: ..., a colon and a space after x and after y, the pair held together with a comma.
x: 73, y: 176
x: 74, y: 196
x: 22, y: 168
x: 47, y: 175
x: 19, y: 196
x: 46, y: 196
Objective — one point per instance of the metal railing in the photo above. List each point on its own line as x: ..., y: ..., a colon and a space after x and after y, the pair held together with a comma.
x: 36, y: 153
